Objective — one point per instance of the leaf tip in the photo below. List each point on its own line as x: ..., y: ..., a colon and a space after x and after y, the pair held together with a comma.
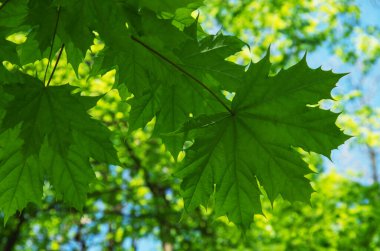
x: 267, y: 55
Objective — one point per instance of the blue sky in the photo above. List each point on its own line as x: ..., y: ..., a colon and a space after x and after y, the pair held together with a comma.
x: 370, y: 11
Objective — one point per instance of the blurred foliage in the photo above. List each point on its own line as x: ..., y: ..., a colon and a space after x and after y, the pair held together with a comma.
x: 295, y: 26
x: 140, y: 199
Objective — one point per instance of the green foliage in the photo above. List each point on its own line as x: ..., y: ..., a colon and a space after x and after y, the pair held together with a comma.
x: 269, y: 114
x: 170, y: 70
x: 50, y: 134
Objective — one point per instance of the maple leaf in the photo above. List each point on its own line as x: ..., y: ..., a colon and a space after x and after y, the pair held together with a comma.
x: 254, y: 145
x: 50, y: 132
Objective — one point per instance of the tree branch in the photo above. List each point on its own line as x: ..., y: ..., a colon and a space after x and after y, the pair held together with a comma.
x: 372, y: 157
x: 13, y: 237
x: 79, y: 238
x: 158, y: 192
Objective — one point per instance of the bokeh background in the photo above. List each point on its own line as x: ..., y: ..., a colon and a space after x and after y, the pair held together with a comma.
x: 137, y: 206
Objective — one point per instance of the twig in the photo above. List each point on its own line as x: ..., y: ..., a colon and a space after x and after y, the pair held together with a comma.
x: 52, y: 42
x: 56, y: 63
x: 4, y: 3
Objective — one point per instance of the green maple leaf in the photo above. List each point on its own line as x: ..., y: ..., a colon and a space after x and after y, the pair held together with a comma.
x: 254, y: 145
x: 50, y: 133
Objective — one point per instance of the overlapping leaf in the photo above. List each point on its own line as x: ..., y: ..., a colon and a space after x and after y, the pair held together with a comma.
x: 254, y: 145
x: 46, y: 131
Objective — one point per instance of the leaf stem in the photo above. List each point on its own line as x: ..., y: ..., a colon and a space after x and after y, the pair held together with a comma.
x: 56, y: 63
x: 180, y: 69
x: 52, y: 43
x: 3, y: 4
